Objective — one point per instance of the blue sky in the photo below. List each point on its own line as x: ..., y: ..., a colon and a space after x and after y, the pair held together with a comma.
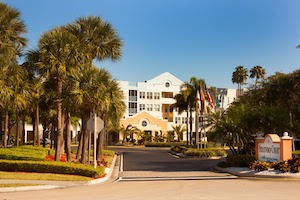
x: 202, y: 38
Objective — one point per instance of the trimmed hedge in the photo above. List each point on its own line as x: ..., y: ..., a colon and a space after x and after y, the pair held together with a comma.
x: 162, y: 144
x: 51, y: 167
x: 237, y: 161
x: 205, y: 153
x: 24, y: 153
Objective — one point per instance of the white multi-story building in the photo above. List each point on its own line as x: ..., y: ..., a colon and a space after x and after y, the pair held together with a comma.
x: 225, y: 97
x: 149, y: 104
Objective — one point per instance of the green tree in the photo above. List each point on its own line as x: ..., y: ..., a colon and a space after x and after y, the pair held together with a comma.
x: 59, y: 55
x: 179, y: 130
x: 239, y: 76
x: 12, y: 42
x: 257, y: 72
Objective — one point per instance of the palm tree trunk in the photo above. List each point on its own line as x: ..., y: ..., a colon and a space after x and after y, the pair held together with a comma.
x: 17, y: 128
x: 191, y: 125
x: 59, y: 139
x: 68, y: 136
x: 37, y: 122
x: 1, y: 126
x: 85, y: 136
x: 23, y: 130
x: 187, y: 126
x: 79, y: 148
x: 101, y: 143
x: 5, y: 126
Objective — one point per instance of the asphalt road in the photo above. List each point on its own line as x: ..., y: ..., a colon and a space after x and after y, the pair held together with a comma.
x: 159, y: 161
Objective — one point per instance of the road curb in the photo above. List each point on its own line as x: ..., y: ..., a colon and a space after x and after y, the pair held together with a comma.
x: 256, y: 175
x: 109, y: 172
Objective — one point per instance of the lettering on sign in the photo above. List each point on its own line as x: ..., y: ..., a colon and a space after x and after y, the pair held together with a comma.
x: 269, y: 151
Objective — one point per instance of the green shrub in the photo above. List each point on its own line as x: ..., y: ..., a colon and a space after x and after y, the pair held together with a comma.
x: 205, y: 153
x: 240, y: 160
x: 260, y: 166
x: 51, y: 167
x: 296, y: 154
x: 24, y: 153
x: 162, y: 144
x: 179, y: 149
x: 223, y: 164
x: 292, y: 165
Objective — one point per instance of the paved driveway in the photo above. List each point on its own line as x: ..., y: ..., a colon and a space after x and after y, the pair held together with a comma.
x: 158, y: 163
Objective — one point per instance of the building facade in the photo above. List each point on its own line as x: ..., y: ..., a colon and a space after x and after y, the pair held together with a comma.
x: 149, y: 105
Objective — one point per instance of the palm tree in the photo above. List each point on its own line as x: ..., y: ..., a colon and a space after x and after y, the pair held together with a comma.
x: 11, y: 45
x: 183, y: 105
x: 129, y: 130
x: 59, y: 55
x: 179, y: 130
x: 239, y: 76
x: 190, y: 90
x: 98, y: 38
x: 111, y: 110
x: 257, y: 72
x: 19, y: 96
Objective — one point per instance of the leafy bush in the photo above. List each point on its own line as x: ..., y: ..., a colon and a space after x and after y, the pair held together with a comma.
x: 162, y: 144
x: 223, y: 164
x: 25, y: 153
x: 292, y: 165
x: 51, y: 167
x: 205, y: 153
x: 240, y: 160
x: 296, y: 154
x: 179, y: 149
x: 260, y: 166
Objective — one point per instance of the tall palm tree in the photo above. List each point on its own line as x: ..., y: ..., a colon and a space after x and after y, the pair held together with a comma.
x: 84, y: 95
x: 111, y: 109
x: 19, y: 96
x: 59, y: 55
x: 11, y: 32
x: 239, y: 76
x: 11, y: 45
x: 190, y: 90
x: 257, y: 72
x: 183, y: 105
x: 99, y: 39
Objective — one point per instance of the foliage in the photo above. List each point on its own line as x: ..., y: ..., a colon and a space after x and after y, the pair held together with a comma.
x: 296, y: 154
x: 202, y: 153
x: 292, y: 165
x: 179, y: 130
x: 259, y: 166
x: 162, y: 144
x: 179, y: 148
x: 238, y: 161
x: 24, y: 153
x: 51, y: 167
x: 205, y: 153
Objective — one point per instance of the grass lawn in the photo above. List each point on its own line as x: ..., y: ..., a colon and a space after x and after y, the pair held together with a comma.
x: 15, y: 185
x: 41, y: 176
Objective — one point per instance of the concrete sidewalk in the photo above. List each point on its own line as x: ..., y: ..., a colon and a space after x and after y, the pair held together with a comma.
x: 111, y: 173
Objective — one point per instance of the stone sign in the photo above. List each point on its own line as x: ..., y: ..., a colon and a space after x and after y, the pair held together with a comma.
x: 272, y: 148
